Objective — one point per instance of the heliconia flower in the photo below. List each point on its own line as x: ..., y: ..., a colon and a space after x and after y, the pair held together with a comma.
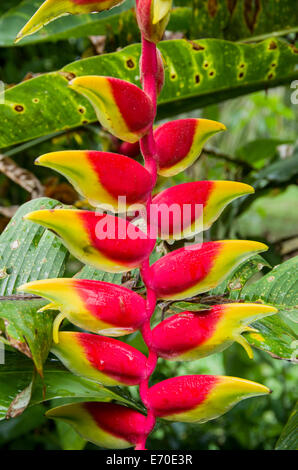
x: 100, y: 307
x: 121, y: 107
x: 189, y: 208
x: 188, y: 336
x: 153, y: 17
x: 102, y: 177
x: 105, y: 360
x: 179, y: 143
x: 107, y: 425
x: 52, y: 9
x: 200, y: 398
x: 101, y: 240
x: 198, y: 268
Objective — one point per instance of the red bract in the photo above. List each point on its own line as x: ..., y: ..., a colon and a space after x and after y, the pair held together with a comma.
x: 121, y: 107
x: 102, y: 240
x: 198, y: 268
x: 106, y: 179
x: 191, y: 335
x: 189, y: 208
x: 200, y: 398
x: 100, y: 307
x: 179, y: 143
x: 106, y: 424
x: 104, y: 360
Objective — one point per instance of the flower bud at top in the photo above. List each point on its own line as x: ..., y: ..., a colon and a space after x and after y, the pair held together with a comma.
x: 153, y: 17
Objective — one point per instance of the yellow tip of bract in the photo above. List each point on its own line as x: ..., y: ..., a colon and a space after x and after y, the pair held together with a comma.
x: 246, y: 388
x: 50, y: 10
x: 161, y: 8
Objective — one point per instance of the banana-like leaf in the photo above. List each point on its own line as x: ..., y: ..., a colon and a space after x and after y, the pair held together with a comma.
x: 210, y: 71
x: 227, y: 20
x: 29, y: 252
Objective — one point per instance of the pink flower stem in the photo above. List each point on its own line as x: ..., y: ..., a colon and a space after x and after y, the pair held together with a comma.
x: 148, y: 149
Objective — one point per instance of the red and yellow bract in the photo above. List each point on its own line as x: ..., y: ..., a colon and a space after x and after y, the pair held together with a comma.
x: 198, y: 268
x: 188, y: 336
x: 200, y: 398
x: 104, y: 360
x: 102, y: 177
x: 107, y: 425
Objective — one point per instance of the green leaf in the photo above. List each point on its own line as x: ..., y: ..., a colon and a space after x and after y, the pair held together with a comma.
x: 16, y: 374
x: 278, y: 172
x: 233, y: 285
x: 288, y: 439
x: 260, y: 151
x: 278, y: 288
x: 275, y: 337
x: 233, y: 22
x: 69, y: 439
x: 198, y: 73
x: 29, y: 252
x: 88, y: 272
x: 27, y: 330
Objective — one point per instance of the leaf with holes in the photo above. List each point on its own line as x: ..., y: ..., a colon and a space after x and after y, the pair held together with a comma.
x: 29, y: 252
x: 213, y: 71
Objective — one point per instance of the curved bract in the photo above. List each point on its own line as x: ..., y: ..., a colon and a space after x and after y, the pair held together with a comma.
x: 102, y: 240
x: 189, y: 336
x: 179, y: 143
x: 198, y: 268
x: 187, y: 209
x: 121, y: 107
x: 96, y: 306
x: 107, y: 425
x: 106, y: 179
x: 53, y: 9
x: 200, y: 398
x: 104, y: 360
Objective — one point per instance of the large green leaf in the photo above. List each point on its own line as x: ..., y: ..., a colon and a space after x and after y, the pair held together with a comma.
x: 27, y: 330
x: 233, y: 20
x: 288, y: 439
x: 198, y: 73
x: 16, y: 374
x: 29, y: 252
x: 278, y: 288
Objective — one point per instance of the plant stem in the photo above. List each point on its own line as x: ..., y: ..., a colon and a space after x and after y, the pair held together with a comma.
x: 148, y: 149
